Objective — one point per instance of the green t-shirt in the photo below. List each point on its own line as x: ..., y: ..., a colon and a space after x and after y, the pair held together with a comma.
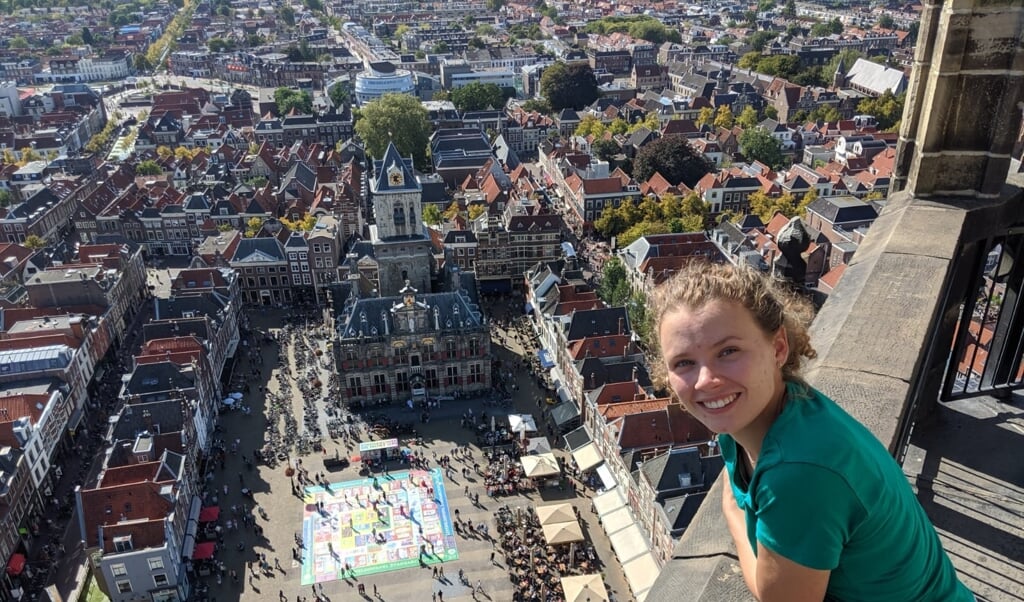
x: 826, y: 494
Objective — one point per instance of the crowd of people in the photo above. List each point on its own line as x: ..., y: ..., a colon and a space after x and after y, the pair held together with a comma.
x: 534, y: 567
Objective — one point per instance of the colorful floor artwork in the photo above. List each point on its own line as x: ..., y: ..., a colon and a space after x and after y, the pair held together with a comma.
x: 376, y: 525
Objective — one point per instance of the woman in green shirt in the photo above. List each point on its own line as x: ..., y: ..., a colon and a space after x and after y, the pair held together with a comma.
x: 818, y: 508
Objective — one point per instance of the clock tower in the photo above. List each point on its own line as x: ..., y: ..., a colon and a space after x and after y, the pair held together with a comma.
x: 400, y: 242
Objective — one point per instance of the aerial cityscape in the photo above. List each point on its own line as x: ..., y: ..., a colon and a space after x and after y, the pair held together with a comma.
x: 330, y: 299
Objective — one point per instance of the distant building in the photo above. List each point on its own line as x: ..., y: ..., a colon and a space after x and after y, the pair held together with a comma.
x: 382, y: 78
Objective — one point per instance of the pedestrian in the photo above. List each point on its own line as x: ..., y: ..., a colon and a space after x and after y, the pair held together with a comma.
x: 479, y: 586
x: 492, y: 557
x: 375, y: 594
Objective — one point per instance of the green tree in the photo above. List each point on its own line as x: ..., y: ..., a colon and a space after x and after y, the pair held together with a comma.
x: 477, y: 97
x: 611, y: 222
x: 148, y: 168
x: 604, y: 150
x: 287, y: 14
x: 590, y: 125
x: 539, y: 105
x: 826, y: 113
x: 141, y: 63
x: 765, y: 207
x: 18, y: 43
x: 432, y: 214
x: 887, y: 109
x: 674, y: 159
x: 398, y: 118
x: 34, y: 242
x: 619, y: 126
x: 339, y: 95
x: 759, y: 145
x: 225, y: 228
x: 789, y: 9
x: 759, y: 39
x: 439, y: 48
x: 5, y: 197
x: 640, y: 230
x: 724, y: 117
x: 886, y: 22
x: 453, y: 211
x: 705, y: 117
x: 287, y: 99
x: 809, y: 197
x: 569, y: 85
x: 252, y: 227
x: 476, y: 210
x: 87, y: 37
x: 495, y: 5
x: 614, y: 287
x: 748, y: 117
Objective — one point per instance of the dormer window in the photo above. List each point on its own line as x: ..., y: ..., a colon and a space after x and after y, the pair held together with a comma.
x: 123, y: 544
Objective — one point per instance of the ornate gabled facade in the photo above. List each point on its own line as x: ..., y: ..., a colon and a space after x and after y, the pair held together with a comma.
x: 411, y: 346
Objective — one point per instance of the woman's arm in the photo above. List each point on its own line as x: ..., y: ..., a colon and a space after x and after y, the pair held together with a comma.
x: 737, y: 523
x: 770, y: 577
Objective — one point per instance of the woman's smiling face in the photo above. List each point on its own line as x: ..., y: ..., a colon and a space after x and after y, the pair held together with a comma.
x: 724, y: 368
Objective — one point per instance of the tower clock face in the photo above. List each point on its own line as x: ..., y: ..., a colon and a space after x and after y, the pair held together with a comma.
x: 395, y: 178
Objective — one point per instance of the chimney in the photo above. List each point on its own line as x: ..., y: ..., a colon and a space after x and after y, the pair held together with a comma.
x: 621, y: 325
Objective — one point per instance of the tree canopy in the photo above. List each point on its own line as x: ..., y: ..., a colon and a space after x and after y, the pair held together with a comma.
x: 569, y: 85
x: 399, y: 118
x: 887, y: 109
x: 643, y: 27
x: 674, y: 159
x: 148, y: 168
x: 629, y: 221
x: 759, y: 145
x: 287, y: 99
x: 477, y: 97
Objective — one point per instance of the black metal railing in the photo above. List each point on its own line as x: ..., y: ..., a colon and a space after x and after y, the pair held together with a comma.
x: 986, y: 355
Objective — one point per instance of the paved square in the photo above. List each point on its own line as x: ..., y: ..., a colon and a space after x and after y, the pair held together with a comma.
x: 376, y: 525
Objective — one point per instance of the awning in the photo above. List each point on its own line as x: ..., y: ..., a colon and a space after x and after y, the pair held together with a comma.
x: 16, y: 564
x: 204, y: 550
x: 555, y: 513
x: 577, y: 438
x: 608, y: 502
x: 188, y: 546
x: 587, y: 457
x: 618, y: 520
x: 522, y: 423
x: 537, y: 445
x: 629, y: 543
x: 582, y: 588
x: 545, y: 359
x: 564, y: 413
x: 76, y: 419
x: 563, y: 394
x: 541, y: 465
x: 641, y: 573
x: 562, y: 533
x: 607, y: 480
x: 209, y: 514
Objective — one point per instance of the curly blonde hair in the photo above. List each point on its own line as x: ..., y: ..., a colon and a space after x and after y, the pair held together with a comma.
x: 769, y: 301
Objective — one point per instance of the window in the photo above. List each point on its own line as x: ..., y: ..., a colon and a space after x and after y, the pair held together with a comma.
x: 123, y: 544
x: 449, y: 349
x: 124, y: 587
x: 453, y: 376
x: 296, y: 279
x: 475, y: 375
x: 306, y: 279
x: 118, y: 570
x: 160, y: 580
x: 379, y: 384
x: 155, y: 564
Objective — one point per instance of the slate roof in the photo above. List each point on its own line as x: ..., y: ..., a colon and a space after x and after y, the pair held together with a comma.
x: 393, y: 158
x: 452, y: 309
x: 159, y: 377
x: 189, y: 306
x: 665, y: 471
x: 597, y: 322
x: 142, y: 416
x: 619, y: 372
x: 258, y: 250
x: 844, y: 209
